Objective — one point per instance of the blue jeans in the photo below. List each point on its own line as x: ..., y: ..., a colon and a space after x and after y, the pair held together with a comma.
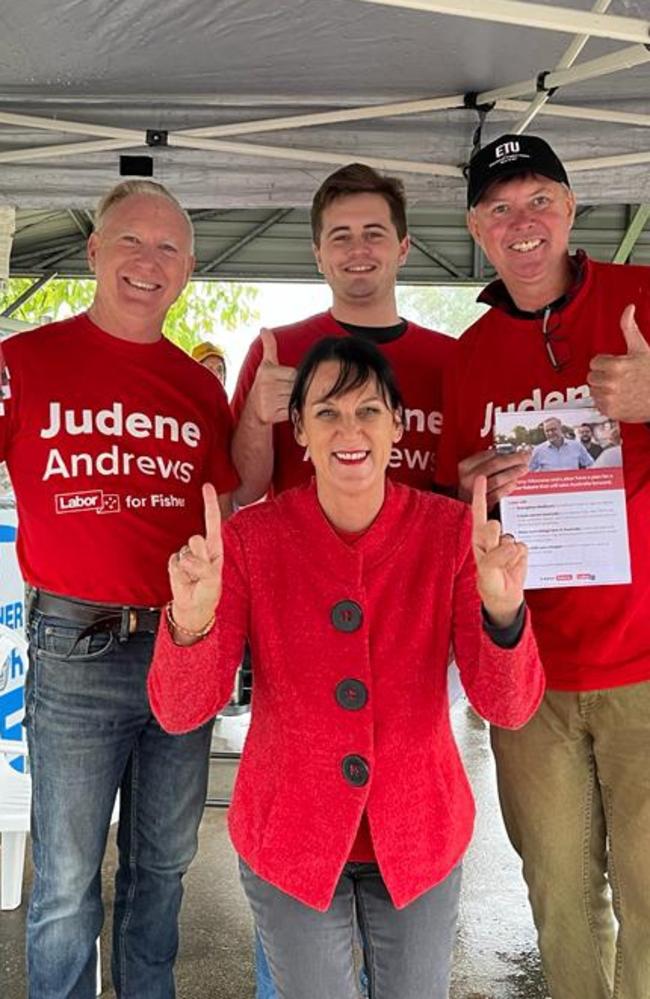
x: 264, y: 987
x: 90, y: 732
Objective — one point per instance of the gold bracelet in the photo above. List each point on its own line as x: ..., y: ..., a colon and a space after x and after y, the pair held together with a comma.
x: 187, y: 631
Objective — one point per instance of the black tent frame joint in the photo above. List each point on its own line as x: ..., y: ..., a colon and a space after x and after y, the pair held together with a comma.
x: 470, y: 101
x: 541, y: 83
x: 157, y: 137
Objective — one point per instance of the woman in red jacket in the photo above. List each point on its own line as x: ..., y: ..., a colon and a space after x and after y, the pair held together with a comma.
x: 351, y: 801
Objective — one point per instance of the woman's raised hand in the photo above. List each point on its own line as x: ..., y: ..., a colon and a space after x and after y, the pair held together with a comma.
x: 501, y: 562
x: 195, y: 571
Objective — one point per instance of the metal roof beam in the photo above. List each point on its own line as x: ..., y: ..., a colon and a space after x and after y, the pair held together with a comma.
x: 534, y: 15
x: 478, y: 262
x: 438, y: 258
x: 40, y: 220
x: 47, y: 246
x: 49, y: 259
x: 630, y: 238
x: 198, y: 215
x: 27, y: 294
x: 247, y: 238
x: 81, y: 221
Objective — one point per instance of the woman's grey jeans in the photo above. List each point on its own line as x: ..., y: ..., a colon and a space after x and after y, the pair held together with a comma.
x: 407, y: 952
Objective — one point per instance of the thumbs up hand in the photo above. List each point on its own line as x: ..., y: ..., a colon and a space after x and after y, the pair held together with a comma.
x: 620, y: 383
x: 269, y: 347
x: 273, y: 383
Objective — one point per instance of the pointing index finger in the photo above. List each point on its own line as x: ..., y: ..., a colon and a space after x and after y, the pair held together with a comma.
x: 479, y: 502
x: 212, y: 515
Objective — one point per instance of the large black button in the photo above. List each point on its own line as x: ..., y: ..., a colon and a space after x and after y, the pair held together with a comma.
x: 355, y: 770
x: 346, y: 615
x: 351, y: 694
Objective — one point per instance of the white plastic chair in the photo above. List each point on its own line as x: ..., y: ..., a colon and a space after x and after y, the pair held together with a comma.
x: 15, y: 805
x: 15, y: 799
x: 15, y: 796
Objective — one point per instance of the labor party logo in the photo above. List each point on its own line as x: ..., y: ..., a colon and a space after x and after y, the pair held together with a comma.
x: 87, y: 501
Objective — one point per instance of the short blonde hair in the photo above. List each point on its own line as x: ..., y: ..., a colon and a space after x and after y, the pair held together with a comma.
x: 126, y: 188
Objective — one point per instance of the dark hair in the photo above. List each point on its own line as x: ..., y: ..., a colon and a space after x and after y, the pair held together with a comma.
x: 357, y: 178
x: 359, y: 360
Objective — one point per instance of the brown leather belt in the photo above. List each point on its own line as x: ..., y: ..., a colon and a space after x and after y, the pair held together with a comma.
x: 92, y: 616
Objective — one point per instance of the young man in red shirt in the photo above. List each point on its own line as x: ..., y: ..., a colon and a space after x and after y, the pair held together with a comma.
x: 109, y: 431
x: 573, y: 782
x: 360, y: 241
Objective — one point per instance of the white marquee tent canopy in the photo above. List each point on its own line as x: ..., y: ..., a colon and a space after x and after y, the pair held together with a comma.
x: 243, y: 106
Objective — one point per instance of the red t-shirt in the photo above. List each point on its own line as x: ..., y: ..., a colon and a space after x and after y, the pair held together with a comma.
x: 589, y: 637
x: 108, y: 443
x: 417, y: 357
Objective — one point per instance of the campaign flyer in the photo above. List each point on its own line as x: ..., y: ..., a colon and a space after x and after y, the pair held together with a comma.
x: 569, y: 508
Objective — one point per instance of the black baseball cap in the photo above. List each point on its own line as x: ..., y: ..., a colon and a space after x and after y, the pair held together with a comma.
x: 506, y: 157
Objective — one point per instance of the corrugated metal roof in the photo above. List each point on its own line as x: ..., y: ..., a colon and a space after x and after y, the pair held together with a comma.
x: 442, y: 251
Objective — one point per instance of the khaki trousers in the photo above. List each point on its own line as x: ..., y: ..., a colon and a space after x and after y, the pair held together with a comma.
x: 574, y: 786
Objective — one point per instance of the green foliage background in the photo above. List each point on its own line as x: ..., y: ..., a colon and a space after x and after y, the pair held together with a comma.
x: 440, y: 307
x: 203, y: 310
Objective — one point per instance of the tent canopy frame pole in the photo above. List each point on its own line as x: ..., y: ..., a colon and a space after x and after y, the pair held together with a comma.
x: 571, y: 53
x: 534, y: 15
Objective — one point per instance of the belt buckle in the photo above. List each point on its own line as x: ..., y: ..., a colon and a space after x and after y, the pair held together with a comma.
x: 133, y: 620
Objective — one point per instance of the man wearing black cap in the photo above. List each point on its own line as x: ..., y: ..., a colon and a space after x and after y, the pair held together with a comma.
x: 573, y: 782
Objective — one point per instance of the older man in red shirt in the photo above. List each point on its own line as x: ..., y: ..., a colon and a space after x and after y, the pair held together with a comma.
x: 573, y: 781
x: 109, y: 431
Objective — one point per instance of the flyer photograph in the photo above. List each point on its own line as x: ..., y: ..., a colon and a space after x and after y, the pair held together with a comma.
x: 569, y: 508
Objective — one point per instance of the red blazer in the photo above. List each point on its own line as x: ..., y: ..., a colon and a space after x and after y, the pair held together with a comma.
x: 321, y: 749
